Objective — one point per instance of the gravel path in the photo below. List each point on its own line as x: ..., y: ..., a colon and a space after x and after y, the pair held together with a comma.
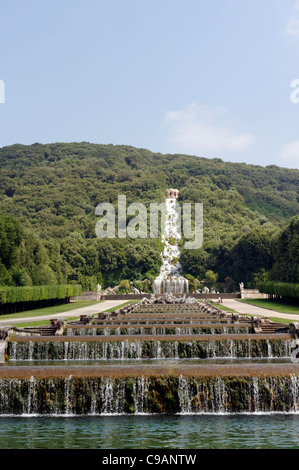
x: 241, y: 307
x: 91, y: 309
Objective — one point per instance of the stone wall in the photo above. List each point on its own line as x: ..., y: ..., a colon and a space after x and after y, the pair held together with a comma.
x: 253, y: 294
x: 86, y: 296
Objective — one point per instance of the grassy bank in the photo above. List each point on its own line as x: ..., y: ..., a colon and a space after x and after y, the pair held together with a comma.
x: 222, y: 307
x: 281, y: 320
x: 274, y: 319
x: 276, y: 305
x: 122, y: 305
x: 49, y: 310
x: 55, y: 310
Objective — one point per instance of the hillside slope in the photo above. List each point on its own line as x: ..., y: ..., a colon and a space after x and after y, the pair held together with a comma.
x: 52, y: 191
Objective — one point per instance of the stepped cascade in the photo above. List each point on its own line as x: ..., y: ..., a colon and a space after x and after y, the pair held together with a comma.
x: 161, y: 355
x: 170, y: 279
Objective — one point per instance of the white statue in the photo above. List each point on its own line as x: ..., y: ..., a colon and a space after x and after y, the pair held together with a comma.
x: 241, y: 285
x: 99, y: 292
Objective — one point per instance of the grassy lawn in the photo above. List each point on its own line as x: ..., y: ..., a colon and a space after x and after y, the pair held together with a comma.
x: 56, y: 309
x: 274, y: 319
x: 281, y: 320
x: 49, y: 310
x: 275, y: 305
x: 222, y: 307
x: 39, y: 323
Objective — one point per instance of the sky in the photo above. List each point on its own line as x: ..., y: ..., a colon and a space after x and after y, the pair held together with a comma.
x: 212, y: 78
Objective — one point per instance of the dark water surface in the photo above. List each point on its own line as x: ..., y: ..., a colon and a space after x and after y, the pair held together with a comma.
x: 271, y: 431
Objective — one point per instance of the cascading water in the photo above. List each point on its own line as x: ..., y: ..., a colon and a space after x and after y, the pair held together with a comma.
x: 157, y: 330
x: 170, y: 280
x: 150, y: 348
x: 160, y: 374
x: 145, y: 395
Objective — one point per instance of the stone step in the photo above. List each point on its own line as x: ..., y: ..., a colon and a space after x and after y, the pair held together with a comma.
x: 163, y: 321
x: 43, y: 331
x: 160, y: 326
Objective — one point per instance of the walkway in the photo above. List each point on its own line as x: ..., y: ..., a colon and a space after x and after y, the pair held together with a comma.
x: 241, y: 307
x: 91, y: 309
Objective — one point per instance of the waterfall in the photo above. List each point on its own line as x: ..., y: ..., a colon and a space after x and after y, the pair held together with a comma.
x: 30, y: 402
x: 294, y: 391
x: 112, y: 395
x: 220, y: 396
x: 170, y: 280
x: 139, y: 395
x: 68, y: 392
x: 150, y: 349
x: 256, y: 394
x: 217, y: 395
x: 184, y: 395
x: 3, y: 346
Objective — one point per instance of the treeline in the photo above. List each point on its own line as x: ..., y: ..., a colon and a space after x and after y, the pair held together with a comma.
x: 28, y: 260
x: 260, y: 255
x: 48, y: 196
x: 286, y: 290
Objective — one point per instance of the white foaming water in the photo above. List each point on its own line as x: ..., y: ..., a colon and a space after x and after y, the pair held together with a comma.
x: 170, y: 279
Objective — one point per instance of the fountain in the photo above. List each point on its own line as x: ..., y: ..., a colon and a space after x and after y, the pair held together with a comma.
x: 158, y: 357
x: 170, y: 280
x: 168, y: 353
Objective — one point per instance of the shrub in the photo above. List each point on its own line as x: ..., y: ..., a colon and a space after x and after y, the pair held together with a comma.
x: 11, y: 295
x: 281, y: 289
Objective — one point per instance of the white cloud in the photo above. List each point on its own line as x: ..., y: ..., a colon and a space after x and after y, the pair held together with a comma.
x: 292, y: 28
x: 290, y: 153
x: 199, y: 129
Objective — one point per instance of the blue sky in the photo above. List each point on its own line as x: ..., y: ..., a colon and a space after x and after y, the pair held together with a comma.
x: 207, y: 78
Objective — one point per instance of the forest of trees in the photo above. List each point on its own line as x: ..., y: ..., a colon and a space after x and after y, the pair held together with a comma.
x: 48, y: 196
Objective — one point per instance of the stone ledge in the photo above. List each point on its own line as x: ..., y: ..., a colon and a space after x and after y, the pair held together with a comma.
x: 153, y: 338
x: 229, y: 370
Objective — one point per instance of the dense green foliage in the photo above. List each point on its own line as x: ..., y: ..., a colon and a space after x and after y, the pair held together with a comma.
x: 48, y: 196
x: 264, y: 253
x: 286, y: 253
x: 281, y: 289
x: 11, y: 295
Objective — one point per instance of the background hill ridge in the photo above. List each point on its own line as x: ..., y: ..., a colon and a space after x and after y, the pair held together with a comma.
x: 52, y: 190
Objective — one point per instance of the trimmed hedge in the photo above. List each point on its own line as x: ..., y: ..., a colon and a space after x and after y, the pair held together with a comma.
x: 12, y: 295
x: 282, y: 289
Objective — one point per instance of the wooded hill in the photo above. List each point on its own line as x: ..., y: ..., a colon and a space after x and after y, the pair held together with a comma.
x: 48, y: 196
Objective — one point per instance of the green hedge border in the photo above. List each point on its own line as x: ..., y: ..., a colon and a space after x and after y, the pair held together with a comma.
x: 282, y: 289
x: 12, y: 295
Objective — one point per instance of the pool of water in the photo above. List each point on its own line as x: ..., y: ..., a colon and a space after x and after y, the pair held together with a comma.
x: 270, y: 431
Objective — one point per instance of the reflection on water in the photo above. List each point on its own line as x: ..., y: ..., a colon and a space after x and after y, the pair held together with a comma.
x: 151, y: 432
